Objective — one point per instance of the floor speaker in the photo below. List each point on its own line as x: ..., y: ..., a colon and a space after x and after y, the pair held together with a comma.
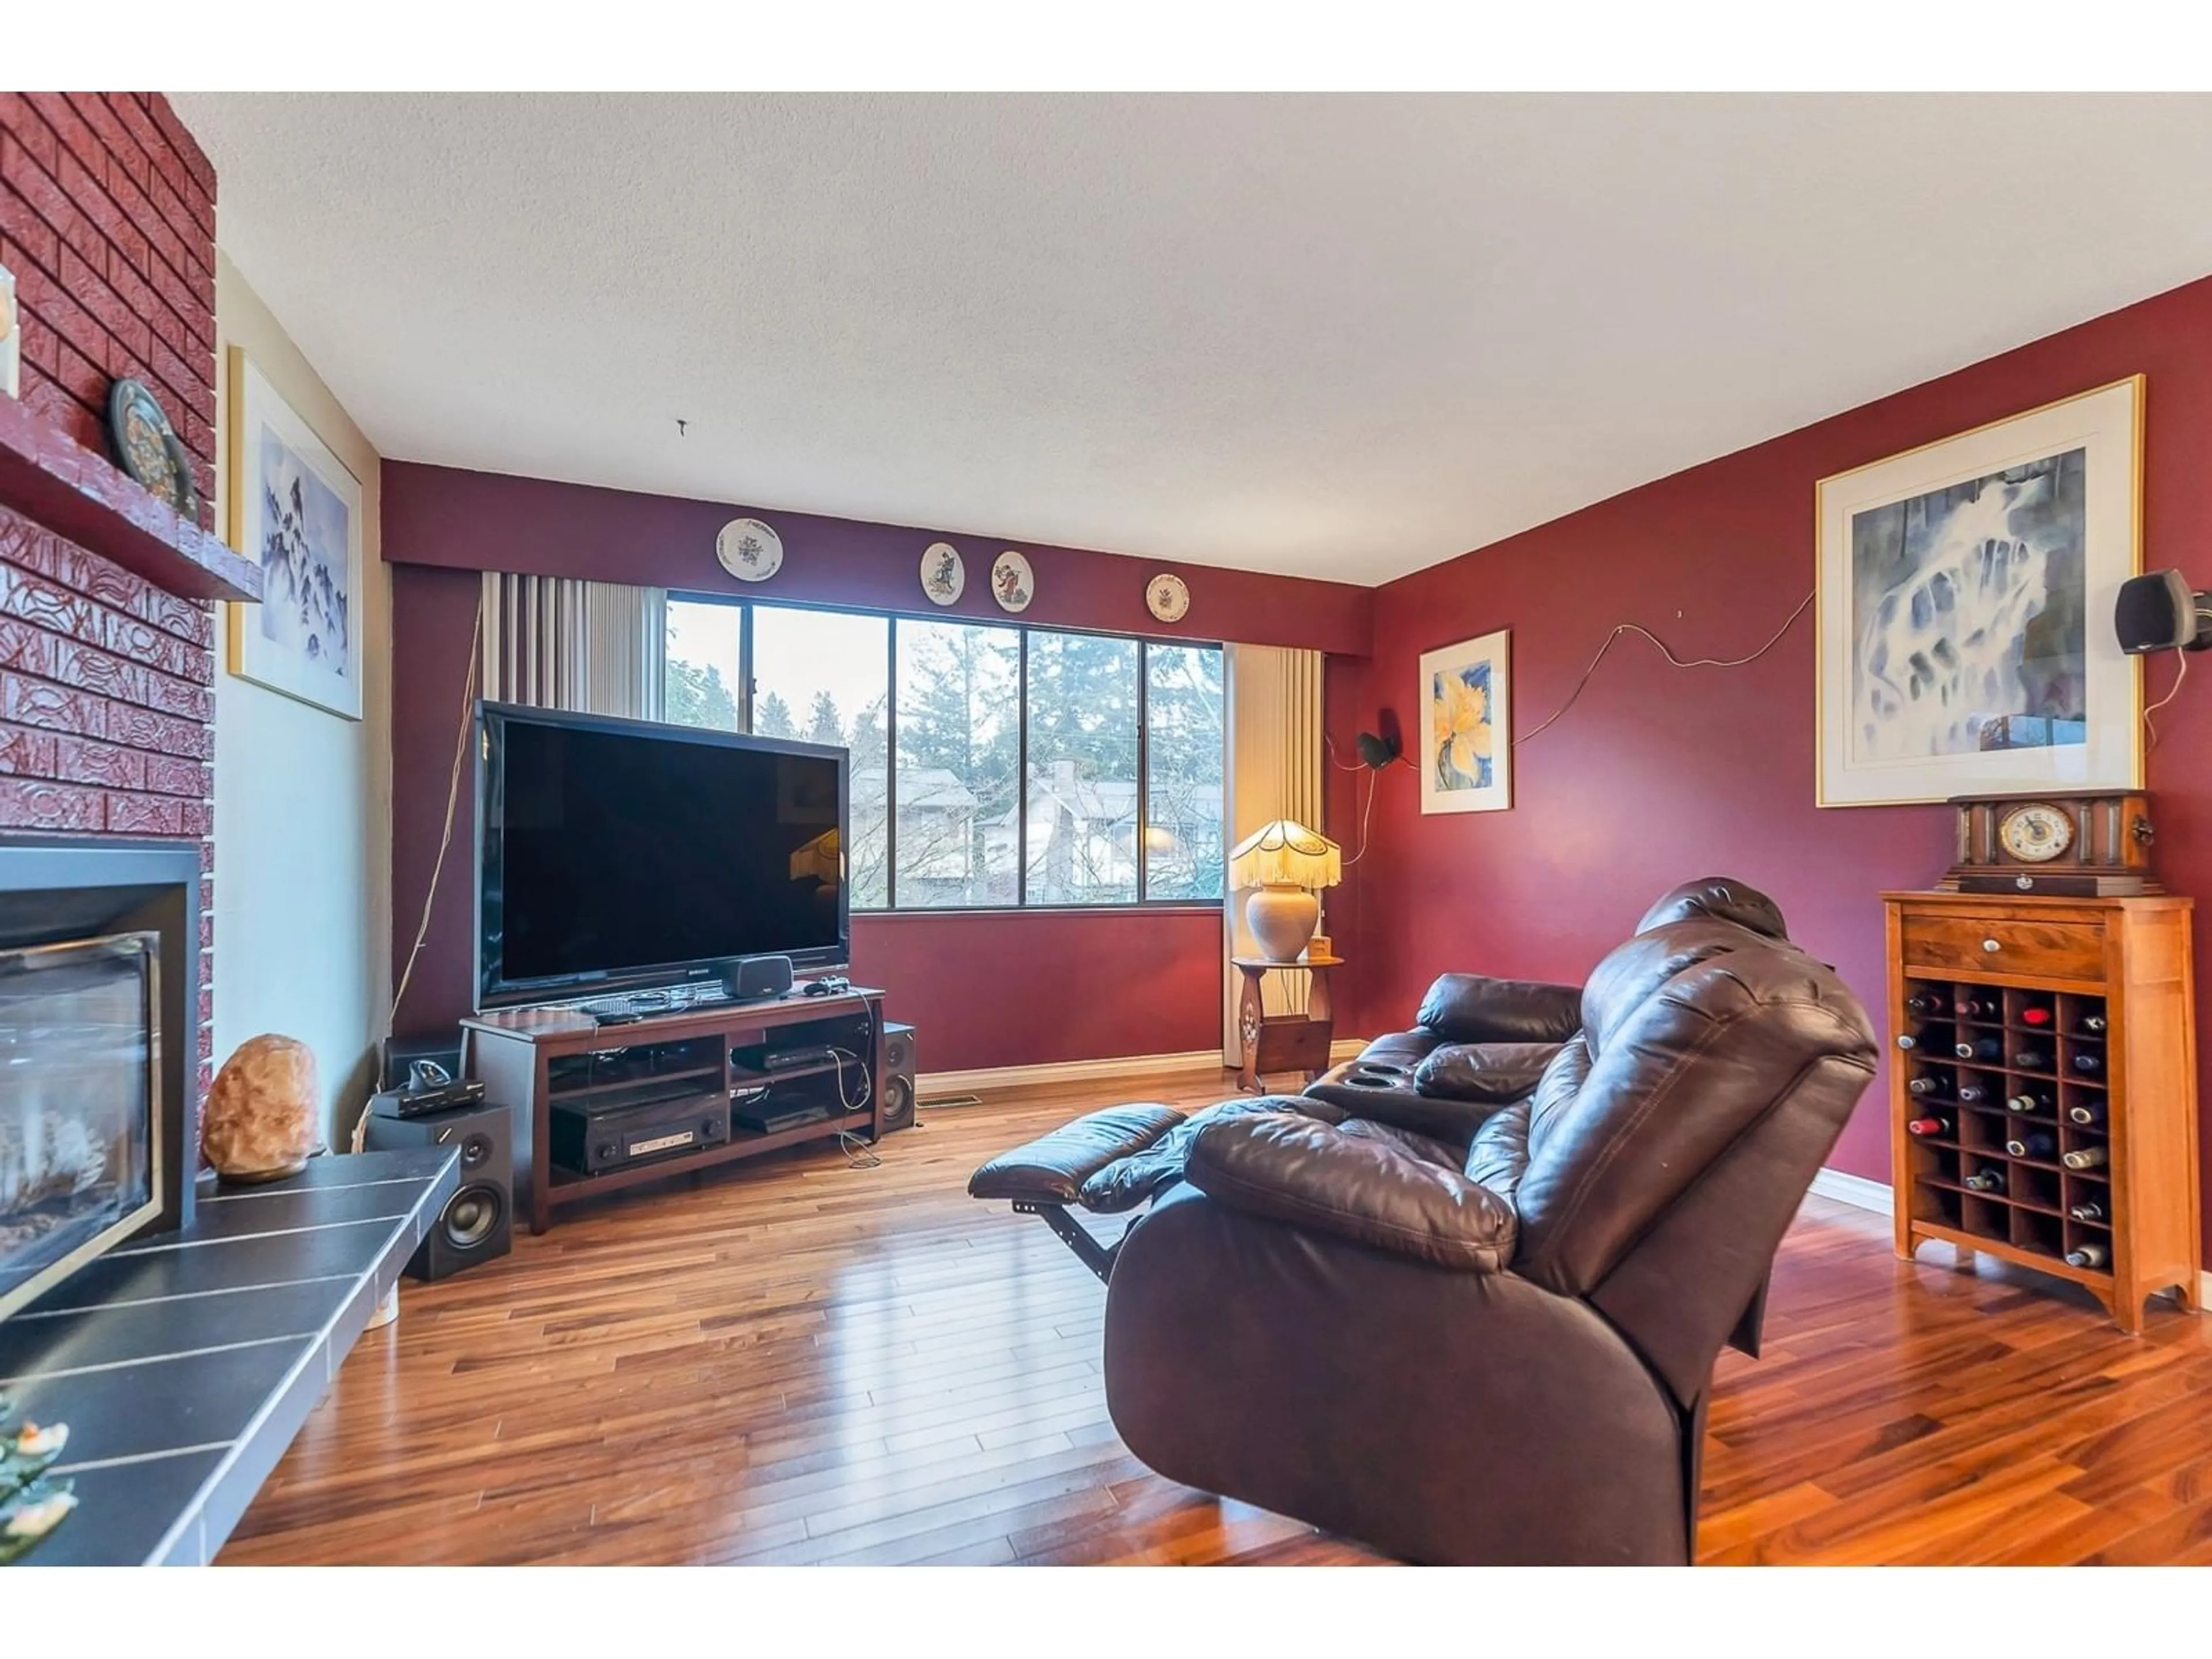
x: 477, y: 1224
x: 897, y: 1112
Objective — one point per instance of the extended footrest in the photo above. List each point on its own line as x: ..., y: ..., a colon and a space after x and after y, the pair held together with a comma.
x: 1108, y: 1162
x: 1052, y: 1169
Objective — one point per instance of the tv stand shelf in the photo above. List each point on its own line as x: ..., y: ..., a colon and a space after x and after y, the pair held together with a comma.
x: 528, y: 1058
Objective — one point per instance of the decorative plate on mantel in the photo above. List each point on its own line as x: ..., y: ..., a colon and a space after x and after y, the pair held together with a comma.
x: 749, y: 550
x: 148, y: 448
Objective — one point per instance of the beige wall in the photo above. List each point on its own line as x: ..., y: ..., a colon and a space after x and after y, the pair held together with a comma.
x: 302, y: 797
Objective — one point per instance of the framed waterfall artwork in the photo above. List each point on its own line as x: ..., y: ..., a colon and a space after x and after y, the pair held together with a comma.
x: 296, y: 512
x: 1466, y: 700
x: 1966, y: 588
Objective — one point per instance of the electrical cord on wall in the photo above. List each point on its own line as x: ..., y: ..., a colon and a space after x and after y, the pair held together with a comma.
x: 2172, y: 691
x: 445, y: 841
x: 1673, y: 660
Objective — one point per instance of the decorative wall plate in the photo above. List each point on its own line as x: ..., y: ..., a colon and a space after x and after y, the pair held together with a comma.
x: 1166, y: 597
x: 944, y: 577
x: 1011, y: 584
x: 146, y: 445
x: 749, y: 550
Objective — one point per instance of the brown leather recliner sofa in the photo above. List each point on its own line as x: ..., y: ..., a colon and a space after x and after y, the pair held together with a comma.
x: 1467, y: 1330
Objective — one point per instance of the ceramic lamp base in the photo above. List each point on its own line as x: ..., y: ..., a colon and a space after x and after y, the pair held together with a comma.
x: 1282, y: 920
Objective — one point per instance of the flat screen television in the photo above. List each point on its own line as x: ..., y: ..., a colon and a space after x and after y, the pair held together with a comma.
x: 619, y: 855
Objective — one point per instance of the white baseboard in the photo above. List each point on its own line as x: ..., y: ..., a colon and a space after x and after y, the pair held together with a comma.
x: 1855, y: 1190
x: 1088, y: 1071
x: 1064, y: 1071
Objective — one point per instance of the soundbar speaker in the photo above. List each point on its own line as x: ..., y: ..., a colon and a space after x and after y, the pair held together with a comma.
x: 755, y: 979
x: 476, y: 1225
x: 897, y: 1110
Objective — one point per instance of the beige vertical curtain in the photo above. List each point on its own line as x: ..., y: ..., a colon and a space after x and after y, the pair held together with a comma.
x: 1274, y: 771
x: 594, y: 647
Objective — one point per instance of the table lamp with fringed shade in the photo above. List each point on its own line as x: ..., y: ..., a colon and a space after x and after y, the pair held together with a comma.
x: 1284, y: 860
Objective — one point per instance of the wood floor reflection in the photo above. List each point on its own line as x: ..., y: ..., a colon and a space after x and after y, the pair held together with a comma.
x: 801, y: 1361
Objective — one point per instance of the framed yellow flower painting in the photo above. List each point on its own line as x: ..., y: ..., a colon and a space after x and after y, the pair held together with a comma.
x: 1467, y: 759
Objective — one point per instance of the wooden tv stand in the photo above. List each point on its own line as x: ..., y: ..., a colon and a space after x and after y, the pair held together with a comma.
x: 516, y: 1054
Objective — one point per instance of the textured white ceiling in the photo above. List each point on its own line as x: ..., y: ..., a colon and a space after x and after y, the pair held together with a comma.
x: 1336, y: 336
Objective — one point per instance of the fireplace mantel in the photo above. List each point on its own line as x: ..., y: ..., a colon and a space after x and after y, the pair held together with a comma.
x: 46, y: 476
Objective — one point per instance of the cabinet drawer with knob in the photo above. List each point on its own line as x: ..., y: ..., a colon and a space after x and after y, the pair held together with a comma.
x: 2004, y: 944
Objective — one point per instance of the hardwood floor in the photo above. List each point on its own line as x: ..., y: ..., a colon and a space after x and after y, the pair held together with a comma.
x: 801, y: 1361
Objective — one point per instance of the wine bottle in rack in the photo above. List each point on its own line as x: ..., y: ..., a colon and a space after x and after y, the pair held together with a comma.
x: 2089, y: 1065
x: 2036, y: 1013
x: 2089, y: 1113
x: 1933, y: 1038
x: 1927, y: 1128
x: 1924, y: 1003
x: 2087, y: 1256
x: 2029, y: 1101
x: 2033, y: 1143
x: 1988, y: 1179
x: 1971, y: 1093
x: 1990, y: 1049
x: 2085, y: 1158
x: 1979, y: 1008
x: 2093, y: 1024
x: 2088, y: 1210
x: 2031, y: 1059
x: 1929, y: 1087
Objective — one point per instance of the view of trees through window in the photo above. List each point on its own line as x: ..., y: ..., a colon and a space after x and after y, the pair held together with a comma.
x: 1123, y: 794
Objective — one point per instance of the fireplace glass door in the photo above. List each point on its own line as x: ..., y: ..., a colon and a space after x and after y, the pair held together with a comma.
x: 79, y: 1156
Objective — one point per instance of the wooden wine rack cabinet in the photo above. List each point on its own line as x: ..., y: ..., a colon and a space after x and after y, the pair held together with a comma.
x: 2123, y: 960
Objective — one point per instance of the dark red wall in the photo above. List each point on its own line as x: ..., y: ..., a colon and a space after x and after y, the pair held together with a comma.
x: 985, y: 990
x: 107, y: 221
x: 1660, y: 774
x: 439, y: 515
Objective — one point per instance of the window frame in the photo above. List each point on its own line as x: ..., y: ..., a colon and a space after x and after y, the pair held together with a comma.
x: 746, y: 690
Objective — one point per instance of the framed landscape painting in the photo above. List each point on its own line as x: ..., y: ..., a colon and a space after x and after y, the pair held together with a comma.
x: 1467, y: 726
x: 295, y: 511
x: 1966, y: 588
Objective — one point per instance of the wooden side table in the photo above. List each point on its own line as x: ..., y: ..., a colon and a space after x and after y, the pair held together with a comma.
x: 1284, y: 1043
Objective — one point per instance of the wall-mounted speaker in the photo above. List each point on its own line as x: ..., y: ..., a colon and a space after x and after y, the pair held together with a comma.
x: 477, y: 1221
x: 897, y: 1110
x: 2161, y: 612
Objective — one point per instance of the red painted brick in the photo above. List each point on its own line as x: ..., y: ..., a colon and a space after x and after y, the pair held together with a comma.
x: 207, y: 929
x: 27, y: 702
x: 82, y: 761
x: 42, y: 297
x: 92, y: 199
x: 182, y: 141
x: 27, y: 753
x: 32, y: 804
x: 145, y: 815
x: 207, y: 1004
x: 142, y: 728
x: 90, y: 289
x: 31, y: 240
x: 81, y: 424
x: 20, y: 119
x: 126, y: 156
x: 130, y: 196
x: 193, y: 221
x: 198, y: 817
x: 78, y: 138
x: 26, y: 649
x: 171, y: 774
x: 46, y: 196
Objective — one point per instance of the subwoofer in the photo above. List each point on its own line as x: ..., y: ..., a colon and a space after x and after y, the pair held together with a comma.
x: 476, y: 1225
x: 897, y: 1110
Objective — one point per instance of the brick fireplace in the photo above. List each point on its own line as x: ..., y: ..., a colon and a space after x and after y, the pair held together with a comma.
x: 106, y: 623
